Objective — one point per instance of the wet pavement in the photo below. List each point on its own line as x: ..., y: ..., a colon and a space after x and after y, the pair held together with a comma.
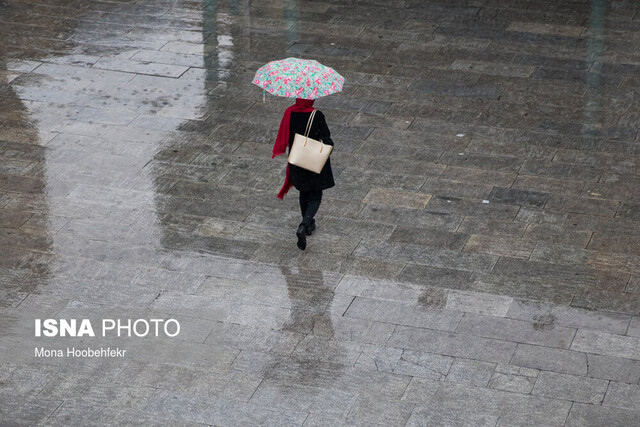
x: 477, y: 263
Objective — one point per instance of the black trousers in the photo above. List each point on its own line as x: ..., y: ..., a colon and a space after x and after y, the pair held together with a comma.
x: 309, y: 205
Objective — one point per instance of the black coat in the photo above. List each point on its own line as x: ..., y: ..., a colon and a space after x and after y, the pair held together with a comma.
x: 302, y: 179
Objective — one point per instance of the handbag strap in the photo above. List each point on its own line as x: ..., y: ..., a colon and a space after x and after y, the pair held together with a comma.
x: 308, y: 129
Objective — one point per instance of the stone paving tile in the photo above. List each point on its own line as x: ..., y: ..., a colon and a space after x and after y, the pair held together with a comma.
x: 396, y: 198
x: 371, y: 410
x: 458, y: 345
x: 567, y: 316
x: 467, y: 175
x: 622, y: 395
x: 594, y: 299
x: 470, y: 302
x: 607, y: 344
x: 330, y: 402
x: 321, y: 374
x: 436, y: 277
x: 582, y: 414
x: 470, y: 207
x: 411, y: 217
x: 377, y: 289
x: 491, y: 227
x: 450, y: 188
x: 402, y: 314
x: 634, y: 327
x: 499, y: 246
x: 428, y: 237
x: 550, y: 233
x: 570, y: 273
x: 570, y: 387
x: 422, y: 416
x: 515, y: 331
x: 371, y: 268
x: 613, y: 368
x: 514, y: 408
x: 421, y: 255
x: 208, y: 410
x: 18, y: 410
x: 471, y: 372
x: 511, y: 381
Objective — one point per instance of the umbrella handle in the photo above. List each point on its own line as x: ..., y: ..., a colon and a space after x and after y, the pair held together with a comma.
x: 263, y: 98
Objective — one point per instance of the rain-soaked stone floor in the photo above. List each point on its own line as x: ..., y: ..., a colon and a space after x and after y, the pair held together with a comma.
x: 477, y: 263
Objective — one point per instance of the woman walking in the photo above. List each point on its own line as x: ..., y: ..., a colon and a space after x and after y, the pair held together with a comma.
x: 309, y: 184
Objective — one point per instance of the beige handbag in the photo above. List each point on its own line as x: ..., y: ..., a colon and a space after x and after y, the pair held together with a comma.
x: 309, y: 153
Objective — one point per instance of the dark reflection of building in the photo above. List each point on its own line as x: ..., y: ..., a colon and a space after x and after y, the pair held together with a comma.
x: 25, y: 241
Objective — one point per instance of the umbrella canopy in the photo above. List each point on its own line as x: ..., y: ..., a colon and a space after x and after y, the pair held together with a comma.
x: 298, y: 78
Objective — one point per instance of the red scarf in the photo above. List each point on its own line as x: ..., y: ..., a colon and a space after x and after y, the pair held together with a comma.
x: 282, y: 140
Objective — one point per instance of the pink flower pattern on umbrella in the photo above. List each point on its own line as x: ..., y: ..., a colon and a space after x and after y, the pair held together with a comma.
x: 299, y: 78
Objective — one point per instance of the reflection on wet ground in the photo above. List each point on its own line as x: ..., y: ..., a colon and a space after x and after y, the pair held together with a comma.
x: 478, y: 262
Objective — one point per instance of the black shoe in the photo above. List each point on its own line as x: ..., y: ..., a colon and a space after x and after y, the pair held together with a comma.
x: 302, y: 238
x: 311, y: 227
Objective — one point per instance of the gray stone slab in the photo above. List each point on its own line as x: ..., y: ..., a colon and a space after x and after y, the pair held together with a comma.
x: 607, y: 344
x: 570, y: 387
x: 467, y: 175
x: 371, y: 409
x: 491, y: 227
x: 537, y: 290
x: 595, y: 299
x: 425, y: 416
x: 592, y: 206
x: 471, y: 372
x: 452, y: 344
x: 80, y: 391
x: 211, y: 410
x: 613, y: 368
x: 18, y: 410
x: 513, y: 383
x: 71, y: 412
x: 379, y: 289
x: 556, y: 234
x: 421, y: 255
x: 436, y: 277
x: 480, y: 303
x: 328, y: 402
x: 623, y: 395
x: 428, y: 237
x: 471, y: 207
x: 516, y: 330
x: 371, y: 268
x: 403, y: 314
x: 568, y: 316
x: 518, y: 197
x: 514, y: 408
x: 232, y: 385
x: 321, y: 374
x: 411, y: 217
x: 541, y: 216
x: 582, y: 414
x: 551, y: 185
x: 634, y: 327
x: 452, y: 188
x: 570, y: 273
x: 424, y: 365
x: 497, y: 245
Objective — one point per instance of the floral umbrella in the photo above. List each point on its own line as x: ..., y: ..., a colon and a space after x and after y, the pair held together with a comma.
x: 298, y: 78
